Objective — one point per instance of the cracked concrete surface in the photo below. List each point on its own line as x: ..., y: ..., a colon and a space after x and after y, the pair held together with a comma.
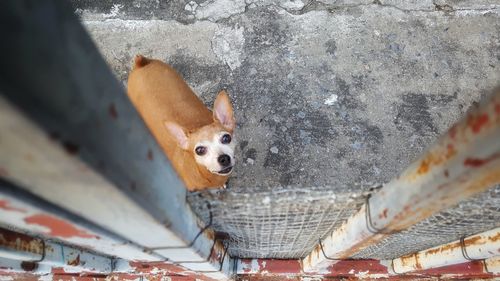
x: 332, y: 93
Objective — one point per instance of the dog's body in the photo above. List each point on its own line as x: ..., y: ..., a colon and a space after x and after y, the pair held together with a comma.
x: 187, y: 131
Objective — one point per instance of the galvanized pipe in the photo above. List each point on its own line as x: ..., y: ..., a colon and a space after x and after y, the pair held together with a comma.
x: 463, y: 162
x: 476, y: 247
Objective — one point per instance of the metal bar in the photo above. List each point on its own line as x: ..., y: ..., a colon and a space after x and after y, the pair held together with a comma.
x: 25, y: 212
x: 493, y: 265
x: 463, y: 162
x: 53, y: 71
x: 47, y: 256
x: 18, y: 246
x: 476, y: 247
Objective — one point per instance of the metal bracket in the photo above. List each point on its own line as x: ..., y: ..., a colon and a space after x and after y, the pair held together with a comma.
x: 221, y: 264
x: 463, y: 249
x: 195, y: 238
x: 323, y: 251
x: 369, y: 224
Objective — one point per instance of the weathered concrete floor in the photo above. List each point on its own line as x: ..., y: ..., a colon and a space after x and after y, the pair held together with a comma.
x: 326, y: 94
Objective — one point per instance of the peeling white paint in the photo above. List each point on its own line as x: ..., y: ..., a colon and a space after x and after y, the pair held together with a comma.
x: 255, y: 265
x: 362, y: 274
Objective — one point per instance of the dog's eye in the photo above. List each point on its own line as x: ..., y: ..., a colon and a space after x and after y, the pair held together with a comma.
x: 200, y: 150
x: 225, y: 139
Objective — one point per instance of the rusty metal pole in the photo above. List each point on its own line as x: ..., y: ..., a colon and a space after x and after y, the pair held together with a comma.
x: 476, y: 247
x: 463, y: 162
x: 23, y: 253
x: 84, y: 148
x: 493, y: 265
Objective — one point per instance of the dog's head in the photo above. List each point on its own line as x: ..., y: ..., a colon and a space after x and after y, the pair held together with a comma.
x: 212, y: 145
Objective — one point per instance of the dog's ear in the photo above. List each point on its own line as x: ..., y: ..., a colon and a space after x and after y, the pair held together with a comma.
x: 223, y: 111
x: 178, y: 133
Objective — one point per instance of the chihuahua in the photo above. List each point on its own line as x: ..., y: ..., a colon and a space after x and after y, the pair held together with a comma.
x: 198, y: 142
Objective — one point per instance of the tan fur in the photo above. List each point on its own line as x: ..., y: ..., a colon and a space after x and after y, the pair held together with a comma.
x: 160, y: 95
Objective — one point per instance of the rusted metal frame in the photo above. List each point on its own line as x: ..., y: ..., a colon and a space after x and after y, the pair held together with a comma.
x: 253, y: 269
x: 477, y: 247
x: 21, y: 206
x: 463, y: 162
x: 14, y: 211
x: 25, y: 212
x: 54, y: 73
x: 19, y: 246
x: 39, y: 256
x: 492, y: 265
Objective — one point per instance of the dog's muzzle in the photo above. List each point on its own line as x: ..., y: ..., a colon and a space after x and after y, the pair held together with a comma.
x: 225, y: 170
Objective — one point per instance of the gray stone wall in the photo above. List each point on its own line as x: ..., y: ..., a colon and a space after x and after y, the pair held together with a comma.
x: 327, y: 93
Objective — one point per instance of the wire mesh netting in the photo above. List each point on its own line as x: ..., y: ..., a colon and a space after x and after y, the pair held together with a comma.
x: 471, y: 216
x: 279, y: 223
x: 287, y: 223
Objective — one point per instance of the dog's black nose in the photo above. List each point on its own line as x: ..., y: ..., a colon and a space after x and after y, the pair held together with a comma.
x: 224, y: 160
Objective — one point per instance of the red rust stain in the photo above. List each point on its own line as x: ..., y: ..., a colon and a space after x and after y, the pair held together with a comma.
x: 75, y: 262
x: 497, y: 108
x: 433, y: 159
x: 478, y: 162
x: 20, y: 242
x: 476, y: 123
x: 124, y: 277
x: 475, y: 240
x: 424, y: 167
x: 58, y: 227
x: 150, y: 155
x: 167, y: 269
x: 353, y: 267
x: 145, y: 267
x: 417, y: 262
x: 495, y: 237
x: 112, y: 111
x: 474, y: 162
x: 407, y: 259
x: 446, y: 173
x: 441, y: 249
x: 384, y: 214
x: 279, y: 266
x: 464, y: 270
x: 5, y: 205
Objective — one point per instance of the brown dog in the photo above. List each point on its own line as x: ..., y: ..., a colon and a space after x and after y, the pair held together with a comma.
x: 198, y: 142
